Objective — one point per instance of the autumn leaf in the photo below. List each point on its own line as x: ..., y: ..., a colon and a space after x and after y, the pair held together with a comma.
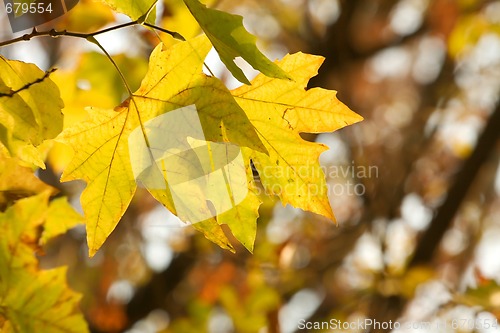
x: 184, y: 137
x: 86, y: 17
x: 281, y: 110
x: 242, y: 219
x: 179, y: 18
x: 230, y: 38
x: 30, y: 110
x: 42, y: 303
x: 134, y: 9
x: 18, y: 239
x: 174, y: 81
x: 32, y: 300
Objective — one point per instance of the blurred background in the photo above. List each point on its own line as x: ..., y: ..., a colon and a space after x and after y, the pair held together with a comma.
x: 415, y: 187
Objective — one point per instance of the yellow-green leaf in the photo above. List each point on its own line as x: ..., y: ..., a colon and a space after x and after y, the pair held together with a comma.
x: 30, y: 109
x: 18, y: 227
x: 231, y: 40
x: 242, y: 220
x: 280, y: 111
x: 41, y: 303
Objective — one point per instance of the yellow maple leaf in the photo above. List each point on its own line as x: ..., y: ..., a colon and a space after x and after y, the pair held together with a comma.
x: 189, y: 141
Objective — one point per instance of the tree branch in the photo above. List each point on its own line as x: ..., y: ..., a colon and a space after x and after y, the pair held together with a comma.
x: 55, y: 33
x: 27, y: 85
x: 431, y: 238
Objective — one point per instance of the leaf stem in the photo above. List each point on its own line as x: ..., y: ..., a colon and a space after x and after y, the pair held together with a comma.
x: 94, y: 41
x: 174, y: 34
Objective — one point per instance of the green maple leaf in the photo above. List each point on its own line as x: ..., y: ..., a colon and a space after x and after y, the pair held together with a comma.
x: 231, y: 40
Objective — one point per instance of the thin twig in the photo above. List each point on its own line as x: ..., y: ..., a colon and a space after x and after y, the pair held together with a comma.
x: 27, y: 85
x: 55, y: 33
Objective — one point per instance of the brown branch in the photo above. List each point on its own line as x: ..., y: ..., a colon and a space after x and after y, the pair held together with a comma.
x: 55, y: 33
x: 27, y: 85
x: 431, y: 238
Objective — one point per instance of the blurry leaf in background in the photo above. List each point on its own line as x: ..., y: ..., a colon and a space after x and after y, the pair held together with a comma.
x: 95, y: 82
x: 250, y: 313
x: 134, y: 8
x: 413, y: 278
x: 177, y: 17
x: 87, y: 16
x: 485, y: 295
x: 468, y: 31
x: 33, y: 300
x: 60, y: 218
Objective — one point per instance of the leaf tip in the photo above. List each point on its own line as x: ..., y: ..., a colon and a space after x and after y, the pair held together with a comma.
x: 249, y: 247
x: 359, y: 117
x: 334, y: 220
x: 92, y: 252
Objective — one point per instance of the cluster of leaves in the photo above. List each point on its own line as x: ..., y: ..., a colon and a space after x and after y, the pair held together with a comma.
x: 264, y: 117
x: 31, y: 299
